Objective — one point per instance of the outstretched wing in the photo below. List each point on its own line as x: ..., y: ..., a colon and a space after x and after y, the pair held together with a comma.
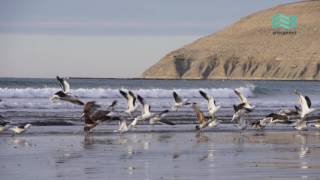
x: 141, y: 100
x: 124, y: 94
x: 204, y: 95
x: 308, y: 101
x: 65, y: 86
x: 243, y: 99
x: 132, y: 98
x: 176, y: 97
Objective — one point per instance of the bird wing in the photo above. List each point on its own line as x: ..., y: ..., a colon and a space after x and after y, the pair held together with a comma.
x: 243, y: 99
x: 113, y: 104
x: 124, y: 94
x: 176, y: 97
x: 141, y: 100
x: 303, y: 102
x: 204, y: 95
x: 65, y: 86
x: 308, y: 101
x: 132, y: 99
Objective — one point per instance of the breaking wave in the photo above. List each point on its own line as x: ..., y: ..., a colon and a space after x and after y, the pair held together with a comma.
x: 114, y: 93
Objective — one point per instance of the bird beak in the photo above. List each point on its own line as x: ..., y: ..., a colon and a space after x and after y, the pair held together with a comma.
x: 82, y: 114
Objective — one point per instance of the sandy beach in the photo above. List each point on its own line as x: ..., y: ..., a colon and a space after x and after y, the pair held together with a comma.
x: 68, y: 154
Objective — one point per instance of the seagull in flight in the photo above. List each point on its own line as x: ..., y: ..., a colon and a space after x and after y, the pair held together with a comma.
x: 305, y: 110
x: 131, y: 100
x: 202, y: 119
x: 179, y: 102
x: 244, y: 101
x: 20, y: 128
x: 212, y: 105
x: 93, y: 115
x: 64, y: 94
x: 305, y: 105
x: 147, y: 114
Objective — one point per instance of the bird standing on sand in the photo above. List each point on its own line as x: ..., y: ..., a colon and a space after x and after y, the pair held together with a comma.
x: 64, y: 94
x: 179, y: 102
x: 20, y: 128
x: 131, y: 100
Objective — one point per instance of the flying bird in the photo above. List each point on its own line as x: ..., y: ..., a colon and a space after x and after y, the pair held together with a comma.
x: 305, y: 105
x: 64, y: 94
x: 202, y: 119
x: 244, y: 101
x: 212, y: 106
x: 20, y: 128
x: 131, y: 100
x: 146, y: 114
x: 179, y: 102
x: 93, y: 115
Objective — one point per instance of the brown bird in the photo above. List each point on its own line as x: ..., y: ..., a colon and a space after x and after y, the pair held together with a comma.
x: 93, y: 115
x: 202, y: 119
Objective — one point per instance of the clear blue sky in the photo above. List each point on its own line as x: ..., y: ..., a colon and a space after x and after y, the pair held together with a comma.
x: 106, y: 38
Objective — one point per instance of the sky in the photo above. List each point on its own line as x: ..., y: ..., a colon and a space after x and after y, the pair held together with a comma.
x: 106, y: 38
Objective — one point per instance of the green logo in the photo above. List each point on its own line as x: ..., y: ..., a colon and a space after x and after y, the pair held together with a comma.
x: 282, y: 21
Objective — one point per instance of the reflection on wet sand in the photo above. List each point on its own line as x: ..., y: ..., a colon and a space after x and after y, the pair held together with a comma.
x: 285, y: 155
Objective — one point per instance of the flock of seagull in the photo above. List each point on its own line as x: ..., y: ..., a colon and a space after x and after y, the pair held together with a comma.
x: 94, y: 114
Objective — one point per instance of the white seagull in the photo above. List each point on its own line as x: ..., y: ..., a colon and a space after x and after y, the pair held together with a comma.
x: 179, y: 102
x: 305, y: 104
x: 305, y: 109
x: 20, y: 128
x: 131, y: 100
x: 244, y: 101
x: 146, y: 114
x: 64, y: 94
x: 212, y: 106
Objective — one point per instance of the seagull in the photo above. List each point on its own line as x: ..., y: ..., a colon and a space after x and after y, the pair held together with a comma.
x: 179, y: 102
x: 64, y: 94
x: 146, y: 114
x: 159, y: 118
x: 202, y: 119
x: 278, y: 118
x: 212, y: 106
x: 131, y: 100
x: 261, y: 124
x: 305, y: 105
x: 93, y: 115
x: 244, y: 101
x: 20, y: 128
x: 3, y: 125
x: 238, y: 111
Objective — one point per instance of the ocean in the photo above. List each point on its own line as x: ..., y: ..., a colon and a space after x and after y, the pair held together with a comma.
x: 55, y: 147
x: 27, y: 100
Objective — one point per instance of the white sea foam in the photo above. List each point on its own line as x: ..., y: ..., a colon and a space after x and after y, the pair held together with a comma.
x: 114, y: 93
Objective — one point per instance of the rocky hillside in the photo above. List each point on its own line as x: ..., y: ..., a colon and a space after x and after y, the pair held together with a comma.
x: 248, y: 49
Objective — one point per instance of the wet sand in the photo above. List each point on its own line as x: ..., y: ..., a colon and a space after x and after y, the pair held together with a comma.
x: 160, y: 155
